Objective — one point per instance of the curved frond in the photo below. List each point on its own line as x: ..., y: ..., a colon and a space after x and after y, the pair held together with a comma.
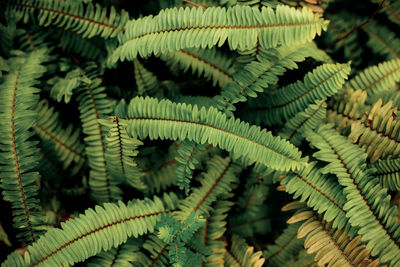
x: 241, y: 254
x: 194, y: 27
x: 166, y: 120
x: 375, y: 219
x: 388, y: 173
x: 87, y: 20
x: 382, y: 40
x: 18, y: 155
x: 146, y: 82
x: 322, y: 82
x: 105, y: 227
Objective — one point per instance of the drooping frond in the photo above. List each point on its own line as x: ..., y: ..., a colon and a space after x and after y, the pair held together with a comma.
x: 375, y: 219
x: 87, y: 20
x: 146, y: 82
x: 319, y: 192
x: 241, y: 254
x: 382, y: 40
x: 93, y: 105
x: 166, y: 120
x: 378, y: 132
x: 65, y: 142
x: 286, y: 247
x: 310, y: 118
x: 376, y: 79
x: 218, y: 179
x: 259, y: 74
x: 175, y: 29
x: 333, y: 247
x: 388, y: 173
x: 322, y: 82
x: 105, y: 227
x: 209, y: 63
x: 18, y: 155
x: 186, y: 163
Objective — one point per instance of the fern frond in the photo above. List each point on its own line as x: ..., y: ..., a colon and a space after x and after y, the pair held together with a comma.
x: 219, y: 179
x: 194, y: 27
x: 119, y: 153
x: 321, y: 193
x: 90, y: 233
x: 382, y: 40
x: 391, y: 8
x: 88, y: 20
x: 159, y: 180
x: 310, y: 118
x: 206, y: 62
x: 65, y: 142
x: 241, y: 254
x: 375, y: 219
x: 286, y: 247
x: 388, y: 173
x: 322, y: 82
x: 18, y: 155
x: 376, y: 79
x: 158, y: 251
x: 72, y: 42
x: 333, y: 247
x: 93, y: 105
x: 260, y: 74
x: 378, y: 132
x: 166, y: 120
x: 63, y: 88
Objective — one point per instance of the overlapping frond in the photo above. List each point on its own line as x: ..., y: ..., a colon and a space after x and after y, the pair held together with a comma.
x: 166, y: 120
x: 146, y: 82
x: 218, y: 179
x: 310, y: 118
x: 382, y: 40
x: 375, y: 219
x: 18, y: 155
x: 259, y: 74
x: 376, y: 79
x: 105, y: 227
x: 332, y: 247
x: 65, y: 142
x: 241, y: 254
x: 87, y: 20
x: 209, y: 63
x: 175, y: 29
x: 322, y: 82
x: 388, y: 173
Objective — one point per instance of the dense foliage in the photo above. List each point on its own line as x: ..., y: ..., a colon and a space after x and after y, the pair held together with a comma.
x: 199, y: 133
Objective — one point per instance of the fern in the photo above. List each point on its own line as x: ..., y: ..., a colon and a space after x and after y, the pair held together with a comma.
x: 285, y: 24
x: 243, y: 255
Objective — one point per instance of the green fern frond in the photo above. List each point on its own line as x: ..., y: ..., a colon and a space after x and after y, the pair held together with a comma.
x: 206, y: 62
x: 166, y: 120
x: 321, y: 193
x: 378, y: 132
x: 194, y: 27
x: 88, y: 20
x: 260, y: 74
x: 158, y: 251
x: 333, y: 247
x: 90, y: 233
x: 159, y: 180
x: 93, y: 105
x: 286, y: 247
x: 322, y: 82
x: 241, y: 254
x: 376, y: 79
x: 65, y: 142
x: 375, y: 219
x: 72, y: 42
x: 382, y: 40
x: 391, y: 8
x: 218, y: 179
x: 310, y: 118
x: 388, y: 173
x: 18, y: 155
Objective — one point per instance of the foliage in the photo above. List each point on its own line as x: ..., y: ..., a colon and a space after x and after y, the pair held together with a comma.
x: 199, y: 133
